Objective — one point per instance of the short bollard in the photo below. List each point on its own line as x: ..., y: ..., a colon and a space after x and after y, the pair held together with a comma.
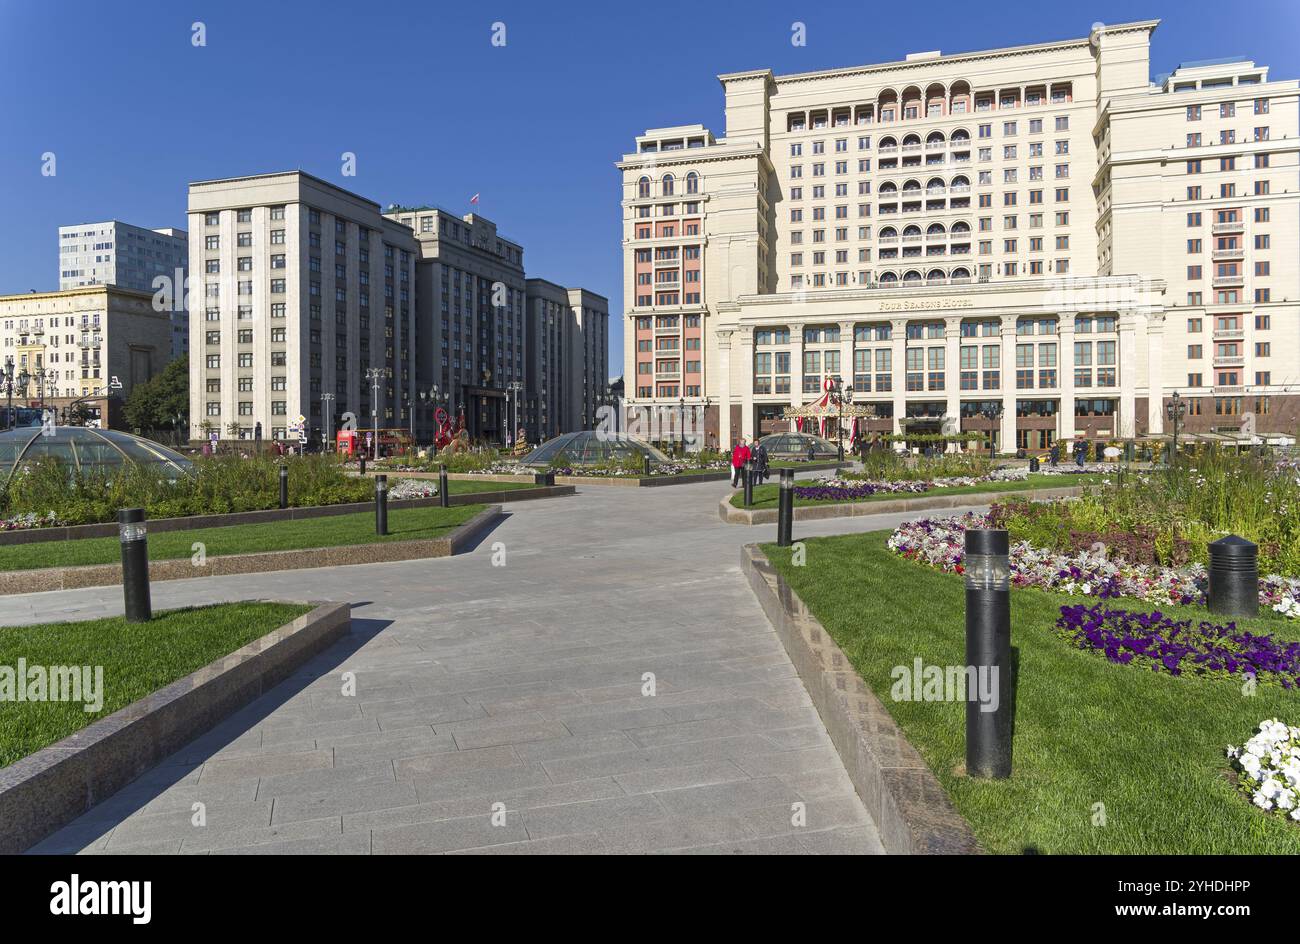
x: 363, y: 463
x: 988, y: 654
x: 284, y: 486
x: 381, y: 504
x: 135, y: 564
x: 645, y: 465
x: 444, y: 492
x: 785, y: 510
x: 543, y: 478
x: 747, y: 472
x: 1033, y: 464
x: 1234, y: 577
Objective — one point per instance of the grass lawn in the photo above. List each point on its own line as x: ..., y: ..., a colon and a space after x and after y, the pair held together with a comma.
x: 137, y: 659
x: 1148, y: 746
x: 404, y: 524
x: 766, y: 496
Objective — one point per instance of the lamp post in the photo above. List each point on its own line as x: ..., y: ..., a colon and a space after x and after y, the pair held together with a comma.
x: 841, y: 395
x: 1175, y: 410
x: 328, y: 400
x: 7, y: 375
x: 434, y: 396
x: 681, y: 425
x: 374, y: 375
x: 988, y: 653
x: 516, y: 388
x: 992, y: 414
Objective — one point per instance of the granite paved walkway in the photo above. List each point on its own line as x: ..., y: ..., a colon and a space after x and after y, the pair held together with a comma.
x: 519, y: 685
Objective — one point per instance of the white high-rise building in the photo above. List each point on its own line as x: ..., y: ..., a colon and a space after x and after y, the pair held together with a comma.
x: 128, y: 256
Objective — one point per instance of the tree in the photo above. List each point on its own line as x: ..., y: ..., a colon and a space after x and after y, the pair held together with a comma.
x: 162, y: 402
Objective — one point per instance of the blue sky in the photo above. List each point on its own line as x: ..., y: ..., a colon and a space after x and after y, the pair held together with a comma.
x: 434, y: 112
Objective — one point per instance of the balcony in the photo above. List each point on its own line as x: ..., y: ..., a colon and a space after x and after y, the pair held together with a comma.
x: 912, y: 238
x: 1224, y: 281
x: 911, y: 149
x: 888, y: 149
x: 1237, y: 361
x: 936, y: 145
x: 1236, y: 226
x: 887, y: 240
x: 1229, y: 334
x: 1236, y: 253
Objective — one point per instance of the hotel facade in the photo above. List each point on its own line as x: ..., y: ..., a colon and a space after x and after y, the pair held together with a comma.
x: 1035, y: 243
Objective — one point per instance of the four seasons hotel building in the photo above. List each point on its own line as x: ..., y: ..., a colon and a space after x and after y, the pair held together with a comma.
x: 1037, y: 242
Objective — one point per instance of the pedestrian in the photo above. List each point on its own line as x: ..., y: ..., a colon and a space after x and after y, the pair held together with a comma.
x: 739, y: 456
x: 760, y: 460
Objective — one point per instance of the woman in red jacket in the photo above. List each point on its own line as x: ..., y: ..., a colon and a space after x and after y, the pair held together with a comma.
x: 739, y: 456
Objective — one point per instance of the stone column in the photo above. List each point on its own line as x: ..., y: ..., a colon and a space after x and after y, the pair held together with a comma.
x: 746, y: 381
x: 1126, y: 370
x: 898, y: 342
x: 1007, y: 374
x: 1065, y: 373
x: 724, y: 390
x: 952, y: 382
x: 1155, y: 373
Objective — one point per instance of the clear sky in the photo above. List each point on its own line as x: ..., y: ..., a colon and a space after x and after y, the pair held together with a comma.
x: 435, y: 112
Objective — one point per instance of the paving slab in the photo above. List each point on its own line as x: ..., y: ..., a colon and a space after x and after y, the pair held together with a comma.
x: 524, y: 684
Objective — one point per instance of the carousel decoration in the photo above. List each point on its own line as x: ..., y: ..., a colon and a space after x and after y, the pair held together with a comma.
x: 521, y: 447
x: 448, y: 438
x: 829, y: 412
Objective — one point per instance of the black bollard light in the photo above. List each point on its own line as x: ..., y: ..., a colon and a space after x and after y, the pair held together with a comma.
x: 747, y: 472
x: 785, y: 510
x: 988, y: 654
x: 1033, y: 464
x: 645, y: 465
x: 381, y: 504
x: 135, y: 564
x: 363, y: 463
x: 1234, y: 577
x: 444, y: 491
x: 284, y: 486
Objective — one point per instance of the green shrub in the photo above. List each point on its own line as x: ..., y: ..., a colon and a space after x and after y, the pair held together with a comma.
x: 217, y: 485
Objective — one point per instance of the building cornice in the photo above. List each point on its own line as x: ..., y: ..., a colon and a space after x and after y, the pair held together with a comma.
x: 945, y: 60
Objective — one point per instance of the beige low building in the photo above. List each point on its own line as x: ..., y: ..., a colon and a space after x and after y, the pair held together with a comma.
x: 86, y: 344
x: 1039, y: 242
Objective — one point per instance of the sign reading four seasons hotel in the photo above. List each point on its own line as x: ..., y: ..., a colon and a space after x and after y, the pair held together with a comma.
x: 1039, y: 242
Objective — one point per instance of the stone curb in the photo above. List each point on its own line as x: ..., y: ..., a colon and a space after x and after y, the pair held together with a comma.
x: 910, y: 808
x: 44, y: 791
x: 733, y: 515
x: 106, y: 575
x: 191, y: 522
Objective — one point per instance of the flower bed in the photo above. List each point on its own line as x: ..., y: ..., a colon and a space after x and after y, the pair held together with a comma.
x: 939, y: 543
x: 1268, y: 768
x: 852, y: 488
x: 1159, y: 643
x: 30, y: 519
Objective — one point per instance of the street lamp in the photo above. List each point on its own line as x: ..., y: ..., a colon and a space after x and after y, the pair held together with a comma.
x: 841, y: 395
x: 50, y: 390
x: 374, y: 375
x: 1175, y: 410
x: 328, y: 400
x: 681, y: 424
x: 992, y: 414
x: 7, y: 375
x: 434, y: 396
x: 516, y: 388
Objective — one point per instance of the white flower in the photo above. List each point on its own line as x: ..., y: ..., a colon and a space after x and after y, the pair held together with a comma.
x: 1263, y: 802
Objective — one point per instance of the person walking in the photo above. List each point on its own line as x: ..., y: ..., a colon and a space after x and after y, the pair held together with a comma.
x: 760, y: 460
x: 739, y: 456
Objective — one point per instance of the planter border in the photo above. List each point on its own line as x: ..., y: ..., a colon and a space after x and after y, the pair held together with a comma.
x: 234, y: 518
x: 909, y: 806
x: 181, y: 568
x: 884, y: 506
x: 45, y: 791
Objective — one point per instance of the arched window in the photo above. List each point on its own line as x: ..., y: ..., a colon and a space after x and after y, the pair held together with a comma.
x: 667, y: 190
x: 692, y: 182
x: 643, y: 187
